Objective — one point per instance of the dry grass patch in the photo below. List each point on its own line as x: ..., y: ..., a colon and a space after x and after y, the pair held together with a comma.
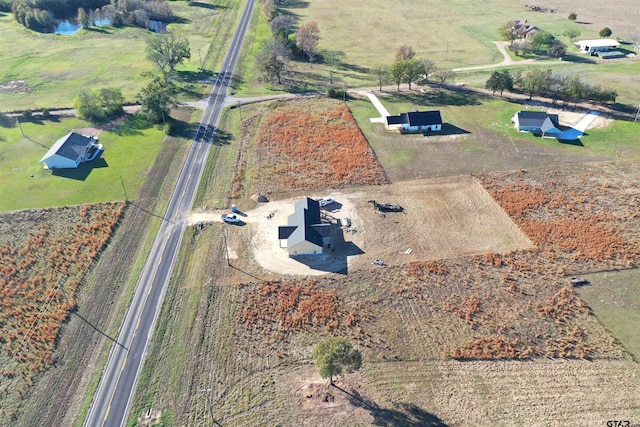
x: 581, y: 218
x: 308, y: 144
x: 44, y: 255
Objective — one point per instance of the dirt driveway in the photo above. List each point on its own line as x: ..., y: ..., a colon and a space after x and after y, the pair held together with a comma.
x: 443, y: 218
x: 263, y: 223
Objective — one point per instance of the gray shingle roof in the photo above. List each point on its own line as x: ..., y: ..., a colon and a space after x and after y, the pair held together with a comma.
x: 70, y: 146
x: 536, y: 119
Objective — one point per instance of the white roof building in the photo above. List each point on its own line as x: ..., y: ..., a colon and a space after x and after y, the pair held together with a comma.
x: 597, y: 45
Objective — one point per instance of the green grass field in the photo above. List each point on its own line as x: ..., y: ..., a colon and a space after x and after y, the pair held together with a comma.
x: 25, y: 184
x: 615, y: 299
x: 454, y: 34
x: 56, y: 68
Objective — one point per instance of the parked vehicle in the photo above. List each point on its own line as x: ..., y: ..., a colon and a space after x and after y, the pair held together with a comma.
x: 326, y: 201
x: 230, y: 218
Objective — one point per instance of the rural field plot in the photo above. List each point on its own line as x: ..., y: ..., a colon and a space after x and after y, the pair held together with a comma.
x: 44, y: 256
x: 442, y: 218
x: 582, y: 218
x: 300, y: 145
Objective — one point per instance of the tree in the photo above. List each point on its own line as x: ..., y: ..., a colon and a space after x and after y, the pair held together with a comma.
x: 99, y: 105
x: 83, y: 18
x: 332, y: 58
x: 273, y: 58
x: 270, y: 9
x: 307, y: 38
x: 166, y: 51
x: 557, y: 49
x: 508, y: 32
x: 333, y: 354
x: 413, y: 70
x: 571, y: 33
x: 500, y: 81
x: 443, y: 75
x: 536, y: 82
x: 520, y: 47
x: 605, y: 32
x: 541, y: 42
x: 156, y: 100
x: 396, y: 72
x: 428, y: 66
x: 572, y: 16
x: 381, y: 74
x: 404, y: 53
x: 283, y: 25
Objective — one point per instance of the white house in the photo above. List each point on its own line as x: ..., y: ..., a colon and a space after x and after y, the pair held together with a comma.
x: 415, y: 121
x: 71, y: 150
x: 537, y: 122
x: 597, y: 45
x: 305, y: 234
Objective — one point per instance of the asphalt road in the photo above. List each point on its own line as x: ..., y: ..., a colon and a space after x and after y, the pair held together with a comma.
x: 112, y: 400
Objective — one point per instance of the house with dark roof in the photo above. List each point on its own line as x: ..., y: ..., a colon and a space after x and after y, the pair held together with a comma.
x: 523, y: 28
x: 415, y: 121
x: 537, y: 122
x: 305, y: 234
x: 71, y: 150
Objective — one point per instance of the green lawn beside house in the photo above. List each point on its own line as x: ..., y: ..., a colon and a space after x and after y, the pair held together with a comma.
x: 129, y: 152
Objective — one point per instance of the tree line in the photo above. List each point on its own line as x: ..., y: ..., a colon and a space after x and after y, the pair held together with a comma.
x: 557, y: 86
x: 41, y: 15
x: 286, y: 42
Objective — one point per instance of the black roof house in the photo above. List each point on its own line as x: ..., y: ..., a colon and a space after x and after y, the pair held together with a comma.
x: 416, y: 119
x: 304, y: 225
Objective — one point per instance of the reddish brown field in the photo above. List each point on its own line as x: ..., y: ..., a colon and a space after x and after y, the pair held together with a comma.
x: 581, y: 218
x: 39, y: 277
x: 310, y: 144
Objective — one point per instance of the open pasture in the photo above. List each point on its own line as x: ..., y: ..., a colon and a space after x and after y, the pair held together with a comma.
x: 614, y: 297
x: 49, y: 70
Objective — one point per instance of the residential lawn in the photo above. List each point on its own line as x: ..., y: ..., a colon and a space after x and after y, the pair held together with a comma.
x: 129, y: 152
x: 478, y: 137
x: 56, y: 68
x: 615, y: 299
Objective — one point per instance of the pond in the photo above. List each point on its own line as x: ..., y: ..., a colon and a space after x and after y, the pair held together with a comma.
x: 70, y: 26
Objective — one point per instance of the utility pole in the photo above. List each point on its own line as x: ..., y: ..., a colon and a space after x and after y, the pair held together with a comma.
x: 446, y: 53
x: 20, y: 126
x: 226, y: 248
x: 207, y: 391
x: 637, y: 112
x: 126, y: 198
x: 200, y: 56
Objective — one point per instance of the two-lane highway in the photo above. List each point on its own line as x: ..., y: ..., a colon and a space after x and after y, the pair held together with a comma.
x: 112, y: 399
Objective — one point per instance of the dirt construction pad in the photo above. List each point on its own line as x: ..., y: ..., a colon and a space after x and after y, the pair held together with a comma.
x: 443, y: 218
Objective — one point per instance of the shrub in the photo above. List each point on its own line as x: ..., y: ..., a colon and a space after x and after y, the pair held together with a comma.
x: 336, y: 93
x: 46, y: 113
x: 605, y: 32
x: 27, y: 114
x: 572, y: 16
